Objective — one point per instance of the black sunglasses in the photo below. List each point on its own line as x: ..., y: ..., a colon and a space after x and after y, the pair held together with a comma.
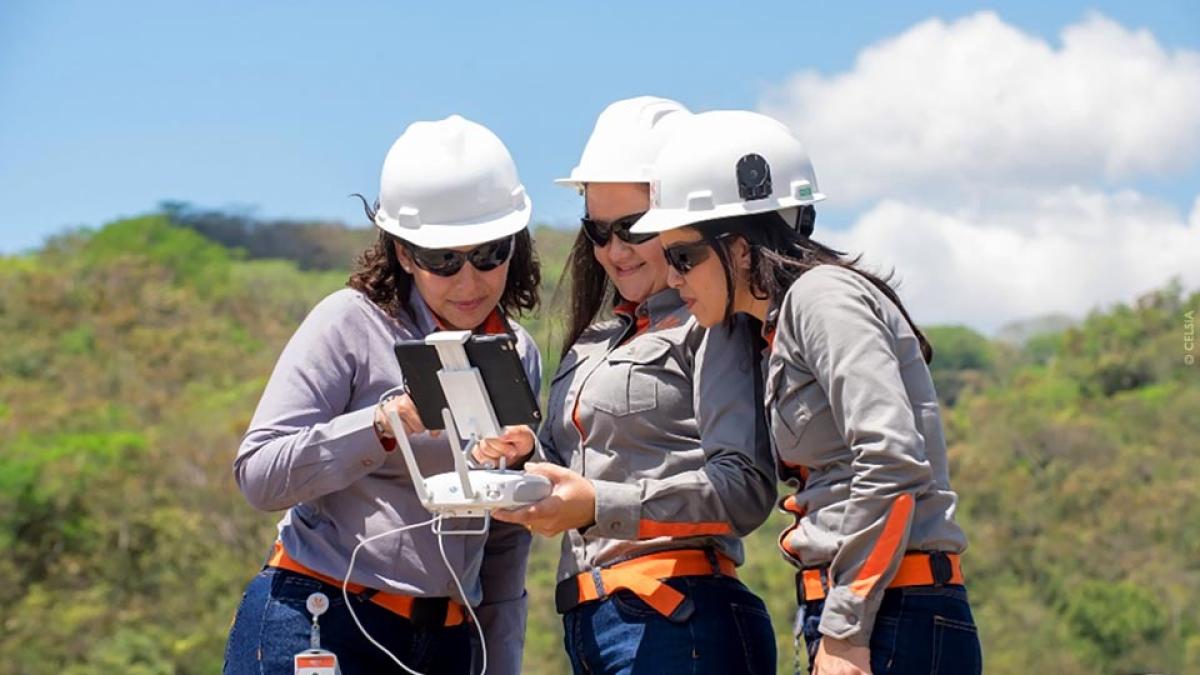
x: 686, y: 256
x: 600, y: 232
x: 446, y: 262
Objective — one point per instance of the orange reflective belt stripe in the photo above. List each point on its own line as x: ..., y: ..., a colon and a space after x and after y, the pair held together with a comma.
x: 915, y: 570
x: 644, y: 576
x: 890, y: 540
x: 648, y: 529
x: 397, y: 603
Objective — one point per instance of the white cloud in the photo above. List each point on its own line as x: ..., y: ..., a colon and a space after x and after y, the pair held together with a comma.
x: 993, y: 167
x: 948, y: 111
x: 1068, y: 252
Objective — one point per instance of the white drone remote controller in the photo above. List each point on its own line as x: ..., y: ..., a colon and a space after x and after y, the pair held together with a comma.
x: 469, y: 493
x: 466, y: 493
x: 493, y: 489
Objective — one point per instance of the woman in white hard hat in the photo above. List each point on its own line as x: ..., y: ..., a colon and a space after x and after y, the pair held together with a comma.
x: 453, y: 253
x: 654, y: 439
x: 848, y: 392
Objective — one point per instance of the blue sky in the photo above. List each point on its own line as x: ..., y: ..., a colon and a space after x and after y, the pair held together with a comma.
x: 108, y: 108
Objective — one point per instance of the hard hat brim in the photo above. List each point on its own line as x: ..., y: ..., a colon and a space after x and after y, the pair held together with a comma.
x: 452, y: 235
x: 661, y: 220
x: 578, y: 182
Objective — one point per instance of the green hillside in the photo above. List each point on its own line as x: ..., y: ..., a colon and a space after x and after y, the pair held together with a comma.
x: 133, y: 357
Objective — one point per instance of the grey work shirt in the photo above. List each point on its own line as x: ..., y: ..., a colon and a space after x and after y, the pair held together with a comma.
x: 855, y: 424
x: 312, y: 449
x: 667, y: 425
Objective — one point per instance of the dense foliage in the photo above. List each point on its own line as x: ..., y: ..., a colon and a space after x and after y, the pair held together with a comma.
x: 133, y: 357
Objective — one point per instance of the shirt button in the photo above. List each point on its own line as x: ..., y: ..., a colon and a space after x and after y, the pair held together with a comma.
x: 616, y: 525
x: 368, y: 462
x: 852, y: 620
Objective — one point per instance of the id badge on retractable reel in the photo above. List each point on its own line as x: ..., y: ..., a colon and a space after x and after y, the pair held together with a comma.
x: 314, y: 660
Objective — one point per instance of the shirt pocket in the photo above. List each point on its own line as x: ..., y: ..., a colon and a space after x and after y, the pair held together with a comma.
x: 793, y: 407
x: 627, y: 384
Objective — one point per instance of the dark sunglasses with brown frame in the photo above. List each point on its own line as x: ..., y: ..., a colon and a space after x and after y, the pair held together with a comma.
x: 685, y: 256
x: 600, y: 232
x: 446, y: 262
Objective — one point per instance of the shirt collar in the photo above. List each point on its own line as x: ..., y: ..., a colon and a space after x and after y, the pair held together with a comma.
x: 664, y: 309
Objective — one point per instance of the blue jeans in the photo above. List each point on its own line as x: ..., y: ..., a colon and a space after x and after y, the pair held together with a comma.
x: 728, y: 632
x: 919, y: 629
x: 272, y: 625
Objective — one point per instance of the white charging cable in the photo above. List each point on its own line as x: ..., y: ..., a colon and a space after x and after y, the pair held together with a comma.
x: 450, y: 568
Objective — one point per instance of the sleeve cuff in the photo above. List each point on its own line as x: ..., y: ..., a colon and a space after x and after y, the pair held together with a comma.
x: 351, y: 438
x: 618, y: 511
x: 845, y: 617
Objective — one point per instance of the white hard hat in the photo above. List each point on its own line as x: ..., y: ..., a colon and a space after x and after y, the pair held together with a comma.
x: 625, y: 141
x: 728, y: 163
x: 450, y: 183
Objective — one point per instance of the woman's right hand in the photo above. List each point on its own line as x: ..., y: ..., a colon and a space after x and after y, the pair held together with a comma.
x: 837, y: 657
x: 404, y: 407
x: 514, y: 445
x: 571, y: 504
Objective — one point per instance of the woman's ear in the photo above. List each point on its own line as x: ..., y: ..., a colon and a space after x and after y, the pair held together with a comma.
x: 739, y: 251
x: 406, y: 263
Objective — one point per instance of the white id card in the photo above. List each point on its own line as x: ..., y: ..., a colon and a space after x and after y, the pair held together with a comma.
x: 316, y: 662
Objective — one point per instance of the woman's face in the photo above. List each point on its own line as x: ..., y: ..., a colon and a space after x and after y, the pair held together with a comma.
x: 637, y: 270
x: 463, y: 300
x: 703, y: 287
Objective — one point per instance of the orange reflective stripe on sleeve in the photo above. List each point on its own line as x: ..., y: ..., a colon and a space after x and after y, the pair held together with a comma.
x: 886, y: 546
x: 790, y: 470
x: 789, y: 504
x: 653, y: 528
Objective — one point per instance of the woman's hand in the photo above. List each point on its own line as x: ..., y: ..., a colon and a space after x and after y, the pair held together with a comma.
x: 513, y: 445
x: 406, y: 409
x: 571, y: 504
x: 838, y: 657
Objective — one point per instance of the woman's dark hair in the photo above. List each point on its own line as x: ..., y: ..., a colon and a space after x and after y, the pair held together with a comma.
x: 780, y: 254
x: 590, y: 288
x: 378, y: 275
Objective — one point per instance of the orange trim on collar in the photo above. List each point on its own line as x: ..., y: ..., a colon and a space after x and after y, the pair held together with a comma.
x: 626, y: 307
x: 640, y: 323
x: 494, y: 324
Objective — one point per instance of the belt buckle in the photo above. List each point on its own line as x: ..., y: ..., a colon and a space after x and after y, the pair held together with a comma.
x: 801, y: 597
x: 940, y: 568
x: 430, y: 612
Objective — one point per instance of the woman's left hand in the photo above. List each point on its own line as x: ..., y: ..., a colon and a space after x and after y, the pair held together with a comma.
x: 570, y: 505
x: 838, y: 657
